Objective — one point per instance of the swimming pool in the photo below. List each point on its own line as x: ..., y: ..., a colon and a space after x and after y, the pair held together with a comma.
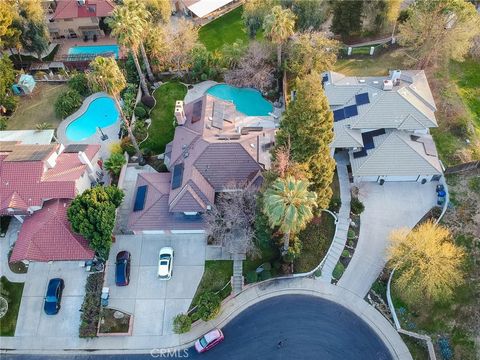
x: 101, y: 112
x: 93, y: 50
x: 248, y: 101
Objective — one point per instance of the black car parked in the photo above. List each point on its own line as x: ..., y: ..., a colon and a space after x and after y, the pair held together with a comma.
x: 54, y: 296
x: 122, y: 268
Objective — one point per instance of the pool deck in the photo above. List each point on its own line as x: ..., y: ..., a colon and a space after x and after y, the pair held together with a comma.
x: 198, y: 90
x: 112, y: 130
x: 66, y: 44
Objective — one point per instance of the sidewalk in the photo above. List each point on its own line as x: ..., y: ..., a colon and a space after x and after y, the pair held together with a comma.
x: 341, y: 232
x: 232, y: 307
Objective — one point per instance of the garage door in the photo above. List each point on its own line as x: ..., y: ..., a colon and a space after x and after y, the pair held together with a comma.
x: 401, y: 178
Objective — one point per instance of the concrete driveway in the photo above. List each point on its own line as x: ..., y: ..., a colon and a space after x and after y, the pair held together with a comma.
x: 32, y: 321
x: 154, y: 302
x: 387, y: 207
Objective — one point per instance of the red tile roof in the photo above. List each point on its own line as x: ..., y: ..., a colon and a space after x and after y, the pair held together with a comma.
x: 68, y: 9
x: 47, y: 236
x: 28, y: 183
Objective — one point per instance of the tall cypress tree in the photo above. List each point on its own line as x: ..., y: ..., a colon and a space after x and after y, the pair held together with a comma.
x: 308, y: 125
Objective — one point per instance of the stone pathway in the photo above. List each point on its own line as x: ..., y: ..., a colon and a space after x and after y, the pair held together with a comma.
x: 340, y: 237
x: 237, y: 278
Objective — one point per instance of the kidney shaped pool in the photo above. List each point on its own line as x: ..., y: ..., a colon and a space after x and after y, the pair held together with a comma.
x: 248, y: 101
x: 101, y: 112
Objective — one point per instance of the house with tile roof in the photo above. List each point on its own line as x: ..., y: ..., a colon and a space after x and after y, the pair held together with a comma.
x: 78, y: 18
x: 37, y: 183
x: 214, y: 146
x: 384, y: 123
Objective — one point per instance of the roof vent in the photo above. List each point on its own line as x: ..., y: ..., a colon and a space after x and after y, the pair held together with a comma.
x: 375, y: 82
x: 361, y: 81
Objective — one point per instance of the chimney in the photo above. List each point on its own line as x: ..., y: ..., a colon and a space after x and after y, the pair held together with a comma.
x: 179, y: 112
x: 387, y: 85
x: 86, y: 161
x: 81, y: 2
x: 396, y: 74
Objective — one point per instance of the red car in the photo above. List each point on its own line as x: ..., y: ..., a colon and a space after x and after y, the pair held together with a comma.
x: 209, y: 340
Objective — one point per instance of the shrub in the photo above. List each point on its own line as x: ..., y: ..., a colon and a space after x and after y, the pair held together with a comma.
x: 338, y: 271
x: 140, y: 112
x: 115, y: 163
x: 3, y: 123
x: 474, y: 184
x: 127, y: 146
x: 351, y: 234
x: 90, y: 311
x: 140, y: 130
x: 208, y: 306
x: 79, y: 83
x: 9, y: 103
x: 346, y: 253
x: 148, y: 101
x: 67, y: 103
x: 131, y: 70
x: 252, y: 277
x: 116, y: 147
x: 266, y: 266
x: 335, y: 204
x: 357, y: 206
x: 445, y: 349
x: 265, y: 275
x: 182, y: 323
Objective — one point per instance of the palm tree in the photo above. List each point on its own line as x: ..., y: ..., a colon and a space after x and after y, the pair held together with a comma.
x: 114, y: 163
x: 288, y: 204
x: 128, y: 23
x: 105, y: 75
x: 279, y: 25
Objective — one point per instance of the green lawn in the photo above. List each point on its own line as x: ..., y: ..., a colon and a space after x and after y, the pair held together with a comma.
x: 225, y: 30
x: 162, y: 129
x: 467, y: 77
x: 14, y: 297
x: 37, y: 108
x: 217, y: 273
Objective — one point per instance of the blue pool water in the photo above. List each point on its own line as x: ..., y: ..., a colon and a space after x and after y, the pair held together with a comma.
x: 248, y: 101
x: 93, y: 50
x: 101, y: 112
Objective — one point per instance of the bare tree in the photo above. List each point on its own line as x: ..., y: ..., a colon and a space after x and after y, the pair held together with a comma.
x: 255, y: 69
x: 230, y: 221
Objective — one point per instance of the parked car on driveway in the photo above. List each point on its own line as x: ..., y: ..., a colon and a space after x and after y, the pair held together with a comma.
x: 209, y: 340
x: 53, y: 297
x: 122, y: 268
x: 165, y: 263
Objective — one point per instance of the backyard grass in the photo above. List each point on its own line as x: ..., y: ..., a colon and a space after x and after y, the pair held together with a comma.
x: 225, y: 30
x: 37, y: 108
x: 162, y: 129
x: 216, y: 275
x: 14, y: 297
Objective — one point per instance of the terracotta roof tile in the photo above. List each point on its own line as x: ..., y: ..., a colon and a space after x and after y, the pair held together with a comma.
x: 47, y: 236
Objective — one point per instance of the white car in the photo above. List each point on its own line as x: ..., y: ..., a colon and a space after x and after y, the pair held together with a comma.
x: 165, y: 263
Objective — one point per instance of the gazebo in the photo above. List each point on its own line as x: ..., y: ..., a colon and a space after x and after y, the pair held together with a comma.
x: 25, y: 85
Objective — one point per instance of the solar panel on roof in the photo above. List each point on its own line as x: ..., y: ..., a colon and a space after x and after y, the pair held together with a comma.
x: 177, y: 176
x: 338, y: 114
x: 140, y: 198
x: 75, y: 148
x: 359, y: 154
x: 350, y: 111
x: 197, y: 111
x: 362, y: 99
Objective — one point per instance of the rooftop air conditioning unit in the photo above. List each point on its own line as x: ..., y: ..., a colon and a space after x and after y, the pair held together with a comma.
x: 387, y: 85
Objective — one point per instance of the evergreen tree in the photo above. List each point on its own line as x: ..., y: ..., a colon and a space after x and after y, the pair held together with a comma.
x: 347, y: 17
x: 308, y: 125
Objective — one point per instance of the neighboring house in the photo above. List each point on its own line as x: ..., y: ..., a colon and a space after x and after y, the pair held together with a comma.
x: 384, y: 124
x: 214, y: 146
x: 200, y: 8
x: 78, y: 18
x: 37, y: 183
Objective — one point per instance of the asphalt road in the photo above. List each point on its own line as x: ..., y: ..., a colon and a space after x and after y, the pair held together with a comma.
x: 307, y: 327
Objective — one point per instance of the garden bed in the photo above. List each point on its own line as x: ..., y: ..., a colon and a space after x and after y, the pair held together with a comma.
x: 18, y: 267
x: 114, y: 322
x: 216, y: 275
x: 12, y: 292
x: 90, y: 311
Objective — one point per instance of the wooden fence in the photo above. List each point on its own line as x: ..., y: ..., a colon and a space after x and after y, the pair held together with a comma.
x: 463, y: 167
